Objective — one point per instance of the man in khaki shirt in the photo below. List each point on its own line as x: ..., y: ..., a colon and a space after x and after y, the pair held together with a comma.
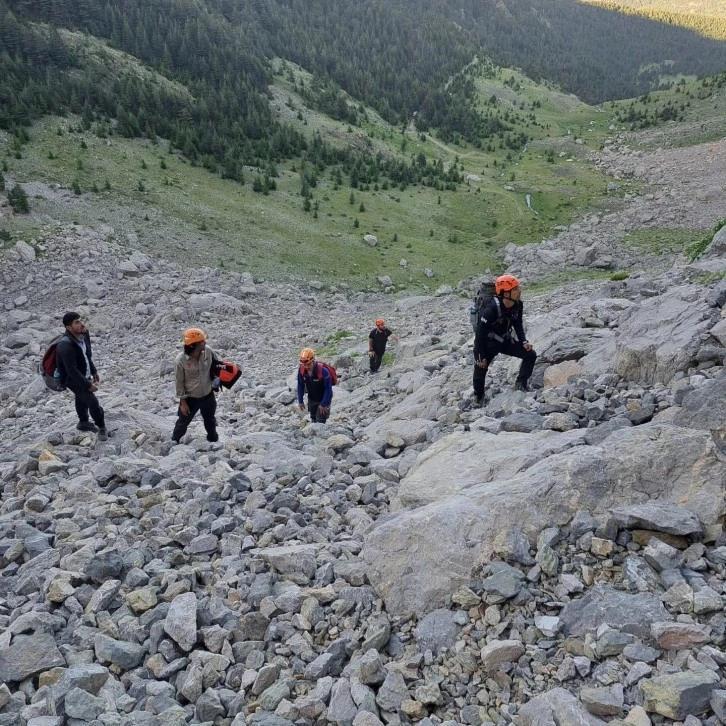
x: 194, y: 385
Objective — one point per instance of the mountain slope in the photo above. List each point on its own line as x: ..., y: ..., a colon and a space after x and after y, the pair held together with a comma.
x: 396, y: 57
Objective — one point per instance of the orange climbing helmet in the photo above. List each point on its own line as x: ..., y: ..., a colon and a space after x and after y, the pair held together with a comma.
x: 380, y: 322
x: 306, y: 355
x: 505, y: 283
x: 194, y: 335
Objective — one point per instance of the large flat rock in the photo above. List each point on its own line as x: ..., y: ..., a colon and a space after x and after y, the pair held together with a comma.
x: 656, y: 335
x: 603, y: 605
x: 418, y: 556
x: 28, y: 655
x: 705, y: 409
x: 557, y: 707
x: 458, y: 462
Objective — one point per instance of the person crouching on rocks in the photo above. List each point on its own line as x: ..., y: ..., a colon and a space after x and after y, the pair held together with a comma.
x: 500, y: 317
x: 78, y: 373
x: 377, y: 341
x: 315, y: 378
x: 194, y: 385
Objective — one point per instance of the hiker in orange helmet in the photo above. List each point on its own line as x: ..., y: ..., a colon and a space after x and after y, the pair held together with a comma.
x: 499, y: 322
x: 315, y: 378
x: 192, y: 369
x: 377, y: 341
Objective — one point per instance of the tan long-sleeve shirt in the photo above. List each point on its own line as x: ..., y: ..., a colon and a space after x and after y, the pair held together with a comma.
x: 192, y: 376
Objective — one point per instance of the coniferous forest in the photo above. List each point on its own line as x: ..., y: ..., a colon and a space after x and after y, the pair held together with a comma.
x: 407, y: 59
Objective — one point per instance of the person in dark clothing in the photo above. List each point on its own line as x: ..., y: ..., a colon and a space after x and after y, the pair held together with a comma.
x: 315, y: 378
x: 194, y: 385
x: 78, y: 373
x: 501, y: 317
x: 377, y: 340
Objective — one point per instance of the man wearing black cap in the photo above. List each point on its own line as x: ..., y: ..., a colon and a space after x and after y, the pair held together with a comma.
x: 78, y: 373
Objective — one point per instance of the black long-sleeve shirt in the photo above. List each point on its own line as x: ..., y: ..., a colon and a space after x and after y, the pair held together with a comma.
x: 499, y: 320
x: 74, y: 371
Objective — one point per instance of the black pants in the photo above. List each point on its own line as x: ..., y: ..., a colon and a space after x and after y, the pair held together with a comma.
x: 315, y: 415
x: 86, y: 402
x: 376, y: 361
x: 492, y: 349
x: 208, y: 407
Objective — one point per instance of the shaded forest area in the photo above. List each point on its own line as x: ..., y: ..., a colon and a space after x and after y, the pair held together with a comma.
x: 404, y: 58
x: 372, y: 47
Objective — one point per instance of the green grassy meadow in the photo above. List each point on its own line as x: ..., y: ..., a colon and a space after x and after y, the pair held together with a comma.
x: 139, y: 190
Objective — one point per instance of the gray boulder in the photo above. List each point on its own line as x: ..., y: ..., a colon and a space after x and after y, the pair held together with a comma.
x: 181, y: 620
x: 494, y: 654
x: 416, y: 558
x: 665, y: 517
x: 436, y: 630
x: 680, y: 694
x: 28, y: 655
x: 557, y: 707
x: 717, y: 248
x: 657, y: 336
x: 26, y: 252
x: 705, y: 408
x: 458, y: 462
x: 603, y: 605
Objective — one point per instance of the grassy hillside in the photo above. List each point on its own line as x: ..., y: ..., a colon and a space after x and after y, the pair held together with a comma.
x: 148, y: 198
x: 689, y: 112
x: 714, y: 8
x: 707, y: 17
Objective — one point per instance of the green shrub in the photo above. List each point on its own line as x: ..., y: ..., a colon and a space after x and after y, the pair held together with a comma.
x: 621, y: 275
x: 19, y: 200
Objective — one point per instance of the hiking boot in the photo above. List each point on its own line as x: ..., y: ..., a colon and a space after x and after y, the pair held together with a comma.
x: 86, y: 426
x: 477, y: 400
x: 103, y: 434
x: 213, y: 437
x: 521, y: 386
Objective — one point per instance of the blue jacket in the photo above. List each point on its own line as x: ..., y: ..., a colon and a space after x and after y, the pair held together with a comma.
x: 319, y: 385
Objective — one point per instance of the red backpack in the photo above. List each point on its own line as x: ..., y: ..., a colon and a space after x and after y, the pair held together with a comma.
x: 49, y: 365
x: 331, y: 370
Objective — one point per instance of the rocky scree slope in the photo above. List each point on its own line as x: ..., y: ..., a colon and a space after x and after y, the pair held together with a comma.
x: 551, y: 558
x: 683, y: 188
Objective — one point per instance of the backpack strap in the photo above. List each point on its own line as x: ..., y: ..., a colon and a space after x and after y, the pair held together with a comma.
x: 318, y: 367
x: 498, y: 303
